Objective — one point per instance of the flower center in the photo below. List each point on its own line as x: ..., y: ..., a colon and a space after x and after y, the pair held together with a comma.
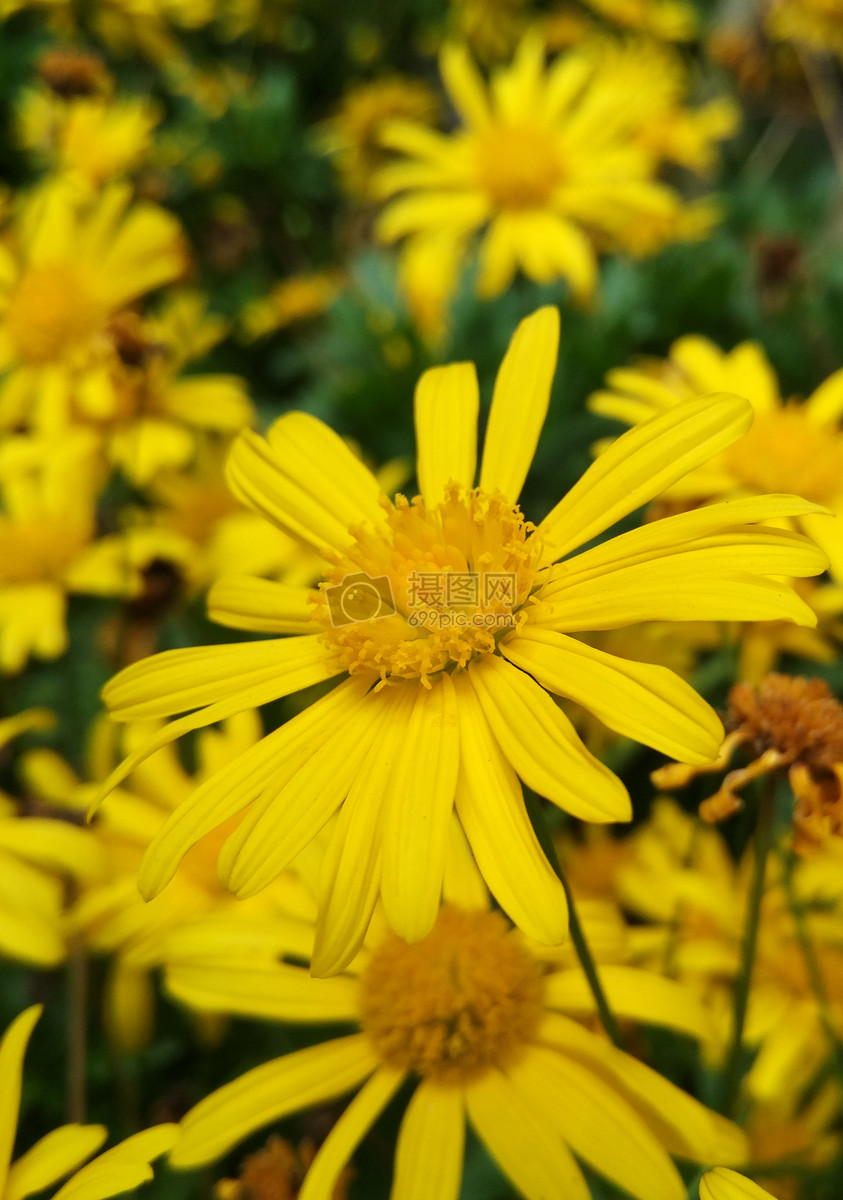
x: 50, y: 313
x: 798, y: 717
x: 438, y: 587
x: 784, y: 452
x: 465, y: 998
x: 518, y: 166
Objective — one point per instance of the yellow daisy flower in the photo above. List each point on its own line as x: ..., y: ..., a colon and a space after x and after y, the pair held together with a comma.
x: 537, y: 166
x: 492, y: 28
x: 37, y: 857
x: 65, y: 1150
x: 723, y: 1184
x: 64, y: 271
x: 449, y: 625
x: 815, y: 24
x: 791, y: 446
x: 109, y: 916
x: 479, y: 1019
x: 89, y: 139
x: 671, y: 20
x: 48, y: 499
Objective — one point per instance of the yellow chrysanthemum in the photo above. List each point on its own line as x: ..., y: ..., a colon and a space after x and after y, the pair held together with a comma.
x: 672, y: 20
x: 37, y: 856
x: 63, y: 1152
x: 48, y: 545
x: 65, y: 270
x: 538, y: 166
x: 351, y: 135
x: 449, y: 626
x: 480, y: 1020
x: 88, y: 140
x: 109, y: 916
x: 814, y: 24
x: 791, y: 446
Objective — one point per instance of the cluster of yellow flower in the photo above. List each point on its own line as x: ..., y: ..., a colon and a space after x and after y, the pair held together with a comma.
x: 382, y: 859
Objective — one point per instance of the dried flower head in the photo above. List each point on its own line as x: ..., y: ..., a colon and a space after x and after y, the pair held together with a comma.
x: 276, y: 1172
x: 787, y: 724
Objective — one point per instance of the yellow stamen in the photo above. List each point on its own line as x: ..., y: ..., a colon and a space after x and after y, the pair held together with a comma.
x: 466, y: 998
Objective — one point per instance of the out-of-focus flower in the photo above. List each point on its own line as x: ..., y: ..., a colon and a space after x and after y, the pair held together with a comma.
x: 669, y: 20
x: 803, y: 1131
x: 299, y: 298
x: 724, y: 1184
x: 352, y: 134
x: 38, y: 857
x: 48, y: 544
x: 448, y: 626
x: 788, y: 724
x: 109, y: 916
x: 491, y: 28
x: 815, y: 24
x: 65, y: 270
x: 63, y: 1152
x: 276, y: 1172
x: 85, y: 139
x: 791, y: 447
x: 479, y: 1017
x: 539, y: 168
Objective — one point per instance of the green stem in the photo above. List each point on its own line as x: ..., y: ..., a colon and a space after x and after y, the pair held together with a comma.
x: 589, y: 967
x: 763, y: 841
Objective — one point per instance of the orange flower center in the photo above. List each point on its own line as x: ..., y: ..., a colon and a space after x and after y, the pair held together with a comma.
x: 518, y: 166
x: 466, y: 998
x: 439, y: 587
x: 784, y: 452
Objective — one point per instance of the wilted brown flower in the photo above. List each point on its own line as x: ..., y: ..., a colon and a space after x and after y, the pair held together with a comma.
x: 276, y: 1172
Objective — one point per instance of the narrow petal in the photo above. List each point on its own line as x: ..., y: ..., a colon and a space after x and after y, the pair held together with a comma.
x: 420, y: 801
x: 825, y: 405
x: 334, y: 1153
x: 53, y: 1157
x: 463, y: 885
x: 231, y: 789
x: 12, y: 1049
x: 457, y: 212
x: 122, y: 1168
x: 56, y: 845
x: 269, y: 1092
x: 723, y: 1184
x: 634, y: 994
x: 640, y: 465
x: 179, y: 680
x: 271, y: 991
x: 519, y: 403
x: 492, y: 813
x: 431, y: 1141
x: 638, y: 700
x: 600, y: 1127
x: 518, y: 1136
x: 306, y: 480
x: 261, y: 605
x: 351, y: 869
x: 542, y: 745
x: 447, y: 404
x: 296, y: 804
x: 465, y: 86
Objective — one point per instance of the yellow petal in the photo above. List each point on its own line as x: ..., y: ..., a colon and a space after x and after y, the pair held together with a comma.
x: 271, y: 991
x: 446, y: 409
x: 12, y: 1049
x: 519, y: 403
x: 723, y: 1184
x: 345, y: 1136
x: 492, y: 813
x: 638, y: 700
x: 56, y: 845
x: 123, y: 1167
x: 231, y: 789
x: 640, y: 465
x: 635, y: 994
x: 430, y: 211
x: 261, y: 605
x: 429, y: 1154
x: 518, y: 1136
x: 269, y: 1092
x: 600, y: 1128
x: 306, y: 480
x: 418, y: 812
x: 53, y: 1157
x: 542, y: 745
x: 465, y: 86
x: 825, y: 405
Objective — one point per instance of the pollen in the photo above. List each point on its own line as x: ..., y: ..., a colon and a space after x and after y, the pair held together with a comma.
x: 438, y: 588
x: 785, y: 452
x: 518, y: 166
x: 466, y: 998
x: 50, y: 313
